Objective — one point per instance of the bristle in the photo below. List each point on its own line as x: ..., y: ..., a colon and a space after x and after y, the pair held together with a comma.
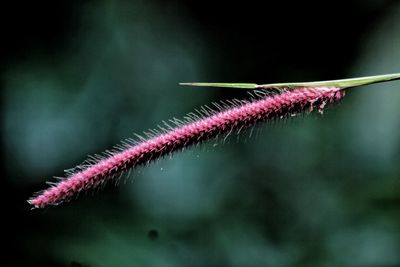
x: 205, y: 124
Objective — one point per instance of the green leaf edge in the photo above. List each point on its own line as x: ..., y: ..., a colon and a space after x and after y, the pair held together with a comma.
x: 342, y: 83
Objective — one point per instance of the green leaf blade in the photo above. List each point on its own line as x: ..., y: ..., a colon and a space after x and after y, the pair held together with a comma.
x: 341, y: 83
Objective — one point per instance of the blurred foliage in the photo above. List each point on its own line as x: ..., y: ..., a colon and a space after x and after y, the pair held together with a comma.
x: 311, y: 191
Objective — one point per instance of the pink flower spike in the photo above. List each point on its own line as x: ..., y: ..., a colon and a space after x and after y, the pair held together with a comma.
x: 196, y: 128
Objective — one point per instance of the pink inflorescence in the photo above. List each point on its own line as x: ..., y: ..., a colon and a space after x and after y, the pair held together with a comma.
x: 197, y: 128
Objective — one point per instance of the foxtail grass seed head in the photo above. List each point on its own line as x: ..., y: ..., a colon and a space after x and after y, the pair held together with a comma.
x: 195, y: 128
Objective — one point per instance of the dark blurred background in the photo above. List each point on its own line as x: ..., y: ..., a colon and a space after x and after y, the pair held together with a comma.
x: 78, y: 76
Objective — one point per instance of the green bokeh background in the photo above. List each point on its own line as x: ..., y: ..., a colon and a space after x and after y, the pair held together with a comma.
x: 311, y: 191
